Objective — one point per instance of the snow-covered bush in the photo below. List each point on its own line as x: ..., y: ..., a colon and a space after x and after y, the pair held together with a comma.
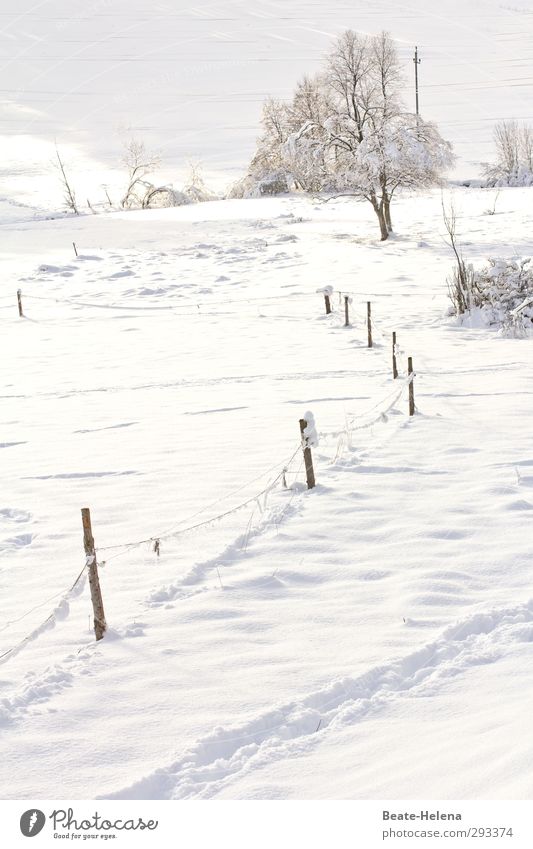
x: 240, y: 188
x: 501, y: 294
x: 461, y: 286
x: 162, y: 197
x: 275, y: 183
x: 141, y: 193
x: 195, y: 188
x: 139, y: 162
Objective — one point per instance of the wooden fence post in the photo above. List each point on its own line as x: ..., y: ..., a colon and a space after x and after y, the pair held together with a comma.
x: 394, y: 364
x: 19, y: 301
x: 100, y: 624
x: 75, y: 248
x: 369, y: 322
x: 327, y: 291
x: 346, y: 311
x: 411, y: 386
x: 308, y: 457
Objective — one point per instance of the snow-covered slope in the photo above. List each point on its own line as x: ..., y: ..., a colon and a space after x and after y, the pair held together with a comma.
x: 190, y: 79
x: 158, y: 378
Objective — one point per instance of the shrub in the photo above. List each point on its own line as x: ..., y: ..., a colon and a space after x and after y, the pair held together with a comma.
x: 500, y: 293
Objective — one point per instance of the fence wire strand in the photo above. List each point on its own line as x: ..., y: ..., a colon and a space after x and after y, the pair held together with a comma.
x: 175, y: 533
x: 4, y: 657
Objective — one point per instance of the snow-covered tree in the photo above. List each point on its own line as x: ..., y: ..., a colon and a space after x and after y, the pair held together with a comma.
x: 274, y: 168
x: 347, y: 131
x: 393, y: 153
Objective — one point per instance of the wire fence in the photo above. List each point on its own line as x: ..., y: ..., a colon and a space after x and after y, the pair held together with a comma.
x: 60, y: 611
x: 280, y: 471
x: 200, y: 306
x: 174, y: 534
x: 190, y: 307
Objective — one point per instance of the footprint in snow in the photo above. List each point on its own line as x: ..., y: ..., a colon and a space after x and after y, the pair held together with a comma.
x: 135, y: 630
x: 16, y: 542
x: 11, y: 514
x: 521, y: 504
x: 56, y: 269
x: 118, y: 274
x: 373, y: 575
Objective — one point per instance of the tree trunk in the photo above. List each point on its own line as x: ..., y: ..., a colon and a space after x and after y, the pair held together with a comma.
x: 386, y: 209
x: 380, y: 212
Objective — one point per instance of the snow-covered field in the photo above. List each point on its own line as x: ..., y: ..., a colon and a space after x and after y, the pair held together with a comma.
x: 371, y: 638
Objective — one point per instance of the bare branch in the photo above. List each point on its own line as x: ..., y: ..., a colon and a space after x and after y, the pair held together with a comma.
x: 69, y: 196
x: 139, y: 162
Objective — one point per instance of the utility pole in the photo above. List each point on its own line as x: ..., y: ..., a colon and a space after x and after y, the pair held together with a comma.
x: 100, y: 625
x: 416, y: 60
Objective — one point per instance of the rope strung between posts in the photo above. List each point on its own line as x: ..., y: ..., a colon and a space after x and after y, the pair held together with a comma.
x: 65, y: 595
x: 353, y: 417
x: 173, y: 308
x: 395, y: 398
x: 174, y: 533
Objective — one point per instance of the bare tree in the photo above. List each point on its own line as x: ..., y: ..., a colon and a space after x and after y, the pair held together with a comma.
x: 526, y: 146
x: 69, y: 196
x: 349, y: 74
x: 462, y: 283
x: 139, y: 162
x: 514, y: 154
x: 195, y: 188
x: 268, y: 159
x: 387, y: 71
x: 507, y: 140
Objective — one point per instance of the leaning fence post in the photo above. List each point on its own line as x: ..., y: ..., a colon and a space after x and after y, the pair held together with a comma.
x: 19, y: 301
x: 346, y: 311
x: 75, y: 248
x: 394, y: 364
x: 411, y: 386
x: 100, y: 624
x: 369, y: 322
x: 308, y: 457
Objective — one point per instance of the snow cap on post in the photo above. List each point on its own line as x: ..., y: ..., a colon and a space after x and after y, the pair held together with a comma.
x: 310, y: 434
x: 326, y: 290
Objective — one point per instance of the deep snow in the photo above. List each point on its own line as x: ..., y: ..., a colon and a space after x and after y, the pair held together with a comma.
x: 311, y: 644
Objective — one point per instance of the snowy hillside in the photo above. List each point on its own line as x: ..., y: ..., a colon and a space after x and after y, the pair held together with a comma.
x: 367, y: 638
x: 285, y: 643
x: 190, y: 80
